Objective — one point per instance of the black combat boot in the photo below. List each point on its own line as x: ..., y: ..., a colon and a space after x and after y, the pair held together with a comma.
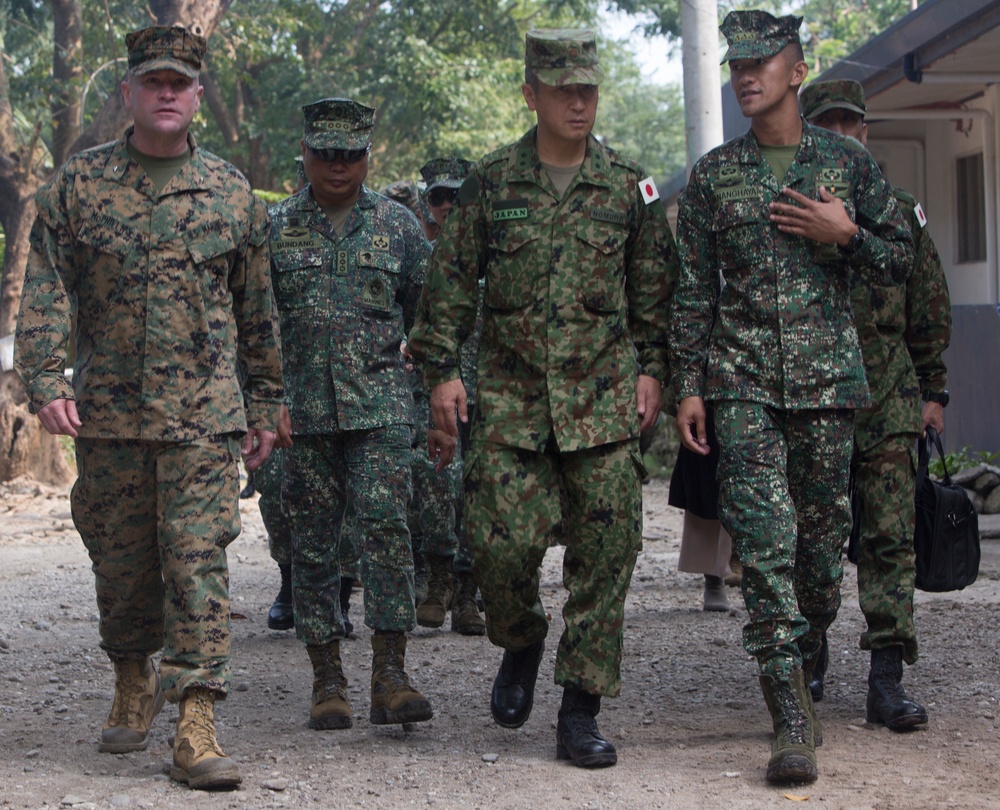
x: 514, y: 687
x: 280, y: 616
x: 577, y: 737
x: 814, y: 667
x: 887, y: 702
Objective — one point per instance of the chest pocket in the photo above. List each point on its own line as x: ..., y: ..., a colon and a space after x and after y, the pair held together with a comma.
x: 602, y: 276
x: 378, y: 277
x: 512, y: 268
x: 740, y: 227
x: 298, y: 278
x: 113, y: 238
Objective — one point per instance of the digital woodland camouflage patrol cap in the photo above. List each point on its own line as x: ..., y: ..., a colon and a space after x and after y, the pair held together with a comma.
x: 559, y: 56
x: 841, y: 94
x: 445, y: 172
x: 338, y: 123
x: 757, y: 34
x: 165, y: 48
x: 405, y: 192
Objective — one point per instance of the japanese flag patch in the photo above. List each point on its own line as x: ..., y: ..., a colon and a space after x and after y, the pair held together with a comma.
x: 648, y: 189
x: 921, y: 216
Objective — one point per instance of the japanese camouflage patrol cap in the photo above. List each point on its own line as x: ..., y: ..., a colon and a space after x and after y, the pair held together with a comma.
x: 165, y: 48
x: 405, y: 192
x: 841, y: 94
x: 757, y: 34
x: 338, y: 123
x: 559, y: 56
x: 446, y: 172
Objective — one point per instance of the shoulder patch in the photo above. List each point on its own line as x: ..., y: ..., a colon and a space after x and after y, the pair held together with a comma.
x: 469, y: 190
x: 918, y: 212
x: 647, y: 188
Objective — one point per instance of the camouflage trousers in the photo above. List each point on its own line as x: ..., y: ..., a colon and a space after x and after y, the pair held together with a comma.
x: 783, y: 477
x: 885, y: 477
x: 267, y: 480
x: 156, y: 518
x: 372, y: 469
x: 512, y: 505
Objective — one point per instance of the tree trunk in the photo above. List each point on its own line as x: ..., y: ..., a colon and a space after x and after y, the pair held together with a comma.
x: 25, y: 447
x: 67, y: 70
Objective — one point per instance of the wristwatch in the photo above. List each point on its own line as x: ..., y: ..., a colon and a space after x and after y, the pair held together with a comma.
x: 855, y: 242
x: 941, y: 399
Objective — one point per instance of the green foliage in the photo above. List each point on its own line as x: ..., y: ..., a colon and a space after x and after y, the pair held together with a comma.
x: 960, y: 460
x: 270, y: 197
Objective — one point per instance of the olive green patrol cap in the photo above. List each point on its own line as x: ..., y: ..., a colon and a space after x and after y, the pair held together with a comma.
x: 338, y: 123
x: 446, y: 172
x: 405, y: 192
x: 559, y: 56
x: 163, y: 47
x: 757, y: 34
x: 840, y: 94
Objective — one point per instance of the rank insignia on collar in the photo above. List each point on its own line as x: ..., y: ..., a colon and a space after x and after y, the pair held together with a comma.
x: 380, y: 242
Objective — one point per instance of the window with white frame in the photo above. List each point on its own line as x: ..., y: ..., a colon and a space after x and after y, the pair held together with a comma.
x: 971, y: 208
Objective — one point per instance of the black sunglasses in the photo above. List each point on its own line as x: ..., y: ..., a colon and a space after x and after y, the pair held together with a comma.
x: 439, y: 196
x: 346, y: 155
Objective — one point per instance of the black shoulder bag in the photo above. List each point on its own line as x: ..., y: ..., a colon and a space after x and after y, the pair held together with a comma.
x: 946, y: 538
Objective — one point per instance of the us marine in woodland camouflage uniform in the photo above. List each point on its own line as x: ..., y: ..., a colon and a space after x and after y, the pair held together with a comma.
x: 348, y: 266
x: 154, y: 254
x: 903, y: 332
x: 784, y: 213
x: 578, y: 260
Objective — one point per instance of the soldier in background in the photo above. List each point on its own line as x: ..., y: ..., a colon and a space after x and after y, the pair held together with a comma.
x: 578, y: 260
x: 153, y: 253
x: 348, y: 266
x: 784, y: 213
x: 904, y: 331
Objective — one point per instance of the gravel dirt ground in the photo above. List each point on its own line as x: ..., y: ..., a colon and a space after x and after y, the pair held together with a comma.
x: 691, y: 727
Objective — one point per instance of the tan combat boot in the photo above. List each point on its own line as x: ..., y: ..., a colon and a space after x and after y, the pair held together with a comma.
x: 432, y: 609
x: 330, y: 708
x: 198, y: 760
x: 465, y: 616
x: 393, y: 699
x: 138, y: 699
x: 793, y: 751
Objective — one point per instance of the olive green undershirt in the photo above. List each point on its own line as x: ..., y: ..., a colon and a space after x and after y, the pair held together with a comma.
x: 780, y: 158
x: 337, y: 214
x: 160, y: 170
x: 561, y: 176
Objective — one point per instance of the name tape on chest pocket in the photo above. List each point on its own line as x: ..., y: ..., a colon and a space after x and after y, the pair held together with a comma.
x: 504, y: 210
x: 730, y: 184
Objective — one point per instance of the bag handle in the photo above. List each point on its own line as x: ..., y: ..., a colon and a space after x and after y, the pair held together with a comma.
x: 924, y: 456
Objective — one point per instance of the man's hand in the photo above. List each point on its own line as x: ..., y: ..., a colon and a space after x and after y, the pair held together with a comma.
x: 257, y: 446
x: 59, y: 417
x: 440, y: 448
x: 824, y: 220
x: 690, y: 423
x: 445, y: 398
x: 932, y: 415
x: 649, y: 398
x: 284, y: 428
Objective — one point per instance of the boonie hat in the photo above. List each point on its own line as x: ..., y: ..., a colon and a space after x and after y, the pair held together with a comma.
x: 843, y: 94
x: 757, y: 34
x: 163, y: 47
x: 559, y: 56
x: 338, y: 123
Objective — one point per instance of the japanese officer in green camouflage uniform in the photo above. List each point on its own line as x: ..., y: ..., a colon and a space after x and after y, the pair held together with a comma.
x: 903, y: 331
x: 784, y: 214
x: 152, y: 255
x: 348, y: 265
x: 578, y: 260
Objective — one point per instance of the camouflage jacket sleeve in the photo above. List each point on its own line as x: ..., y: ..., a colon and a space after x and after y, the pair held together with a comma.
x: 446, y: 316
x: 928, y: 306
x: 44, y: 318
x: 692, y: 310
x: 257, y: 323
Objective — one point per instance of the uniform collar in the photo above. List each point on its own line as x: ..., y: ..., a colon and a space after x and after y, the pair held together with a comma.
x: 121, y: 168
x: 524, y: 165
x: 313, y: 216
